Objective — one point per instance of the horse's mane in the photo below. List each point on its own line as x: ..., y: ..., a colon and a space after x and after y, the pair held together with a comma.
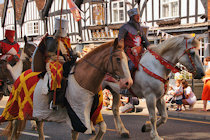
x: 174, y: 42
x: 98, y: 49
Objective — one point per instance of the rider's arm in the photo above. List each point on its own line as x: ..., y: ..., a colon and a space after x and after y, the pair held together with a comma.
x: 145, y: 41
x: 121, y: 36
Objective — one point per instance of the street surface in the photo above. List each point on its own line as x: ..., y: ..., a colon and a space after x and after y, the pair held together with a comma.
x: 174, y: 129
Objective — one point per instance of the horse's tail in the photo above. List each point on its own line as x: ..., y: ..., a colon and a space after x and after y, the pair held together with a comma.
x: 20, y: 124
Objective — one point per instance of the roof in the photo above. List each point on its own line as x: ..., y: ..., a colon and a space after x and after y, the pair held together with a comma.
x: 40, y: 4
x: 1, y: 9
x: 18, y: 6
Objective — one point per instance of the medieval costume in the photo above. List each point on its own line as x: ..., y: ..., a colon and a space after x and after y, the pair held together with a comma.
x: 132, y: 36
x: 9, y: 49
x: 57, y: 58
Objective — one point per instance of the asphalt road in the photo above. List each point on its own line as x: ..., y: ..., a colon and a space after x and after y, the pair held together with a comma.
x: 174, y: 129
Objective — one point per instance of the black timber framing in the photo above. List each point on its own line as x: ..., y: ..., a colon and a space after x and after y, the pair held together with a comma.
x: 110, y: 11
x: 4, y: 12
x: 188, y: 10
x: 180, y: 9
x: 159, y: 9
x: 196, y: 10
x: 152, y: 12
x: 23, y: 13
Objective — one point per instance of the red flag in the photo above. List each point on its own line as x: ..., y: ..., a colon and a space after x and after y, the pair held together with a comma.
x: 74, y: 10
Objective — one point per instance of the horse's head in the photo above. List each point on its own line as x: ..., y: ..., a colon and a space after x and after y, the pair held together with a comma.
x: 5, y: 74
x: 29, y: 48
x: 118, y: 65
x: 190, y: 57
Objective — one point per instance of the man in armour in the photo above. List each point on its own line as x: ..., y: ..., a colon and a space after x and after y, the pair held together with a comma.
x: 133, y: 38
x: 45, y: 60
x: 9, y: 49
x: 66, y: 52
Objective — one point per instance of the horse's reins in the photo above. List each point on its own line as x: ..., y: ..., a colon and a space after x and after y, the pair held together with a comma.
x: 187, y: 51
x: 168, y: 65
x: 113, y: 74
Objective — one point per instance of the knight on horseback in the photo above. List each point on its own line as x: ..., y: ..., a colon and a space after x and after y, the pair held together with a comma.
x: 132, y: 36
x: 9, y: 51
x: 58, y: 50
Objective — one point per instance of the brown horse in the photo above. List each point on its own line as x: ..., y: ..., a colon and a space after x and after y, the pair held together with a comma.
x: 88, y: 74
x: 23, y: 64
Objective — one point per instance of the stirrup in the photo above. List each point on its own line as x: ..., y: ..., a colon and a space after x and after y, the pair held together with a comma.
x: 53, y: 107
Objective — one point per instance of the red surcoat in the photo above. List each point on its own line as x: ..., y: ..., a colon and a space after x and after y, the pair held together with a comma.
x: 8, y: 49
x: 133, y: 42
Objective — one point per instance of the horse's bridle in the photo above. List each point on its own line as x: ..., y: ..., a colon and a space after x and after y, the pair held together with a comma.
x: 113, y: 74
x: 187, y: 51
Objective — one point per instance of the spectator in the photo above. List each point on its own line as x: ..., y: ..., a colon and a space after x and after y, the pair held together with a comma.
x: 190, y: 98
x: 169, y: 96
x: 107, y: 99
x: 130, y: 106
x: 178, y: 94
x: 206, y: 88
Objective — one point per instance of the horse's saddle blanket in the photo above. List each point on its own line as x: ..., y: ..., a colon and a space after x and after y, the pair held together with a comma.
x: 20, y: 105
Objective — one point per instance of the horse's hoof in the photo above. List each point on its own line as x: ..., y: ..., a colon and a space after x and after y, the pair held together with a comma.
x: 125, y: 135
x: 143, y: 129
x: 93, y: 132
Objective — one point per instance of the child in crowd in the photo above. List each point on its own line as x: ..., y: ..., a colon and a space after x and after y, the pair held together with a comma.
x: 169, y: 96
x: 178, y: 95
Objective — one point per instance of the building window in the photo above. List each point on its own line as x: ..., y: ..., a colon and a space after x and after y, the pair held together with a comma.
x: 170, y: 8
x: 118, y: 10
x: 98, y: 14
x: 33, y: 28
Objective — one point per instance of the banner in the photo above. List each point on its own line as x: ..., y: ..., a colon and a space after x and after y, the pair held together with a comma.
x: 74, y: 10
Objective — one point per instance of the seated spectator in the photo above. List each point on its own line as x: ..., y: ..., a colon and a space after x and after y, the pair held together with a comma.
x: 130, y: 106
x: 190, y: 98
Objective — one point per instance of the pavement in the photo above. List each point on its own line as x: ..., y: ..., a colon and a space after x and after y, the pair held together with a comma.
x: 195, y: 114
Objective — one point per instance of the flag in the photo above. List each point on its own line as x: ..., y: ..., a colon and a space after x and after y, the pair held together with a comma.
x: 74, y: 10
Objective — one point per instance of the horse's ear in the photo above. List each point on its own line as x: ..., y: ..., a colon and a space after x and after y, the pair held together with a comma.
x: 25, y: 39
x: 115, y: 42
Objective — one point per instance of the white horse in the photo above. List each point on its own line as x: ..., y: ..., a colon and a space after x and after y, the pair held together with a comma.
x: 182, y: 49
x: 82, y: 86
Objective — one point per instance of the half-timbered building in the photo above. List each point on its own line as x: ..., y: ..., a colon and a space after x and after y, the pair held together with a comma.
x: 103, y: 18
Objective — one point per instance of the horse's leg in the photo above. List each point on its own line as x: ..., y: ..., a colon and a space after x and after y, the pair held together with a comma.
x: 40, y: 125
x: 93, y: 128
x: 118, y: 122
x: 74, y: 135
x: 161, y: 106
x: 14, y: 126
x: 33, y: 125
x: 151, y: 104
x: 101, y: 132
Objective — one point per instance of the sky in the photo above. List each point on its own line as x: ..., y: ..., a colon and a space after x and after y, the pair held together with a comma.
x: 1, y: 1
